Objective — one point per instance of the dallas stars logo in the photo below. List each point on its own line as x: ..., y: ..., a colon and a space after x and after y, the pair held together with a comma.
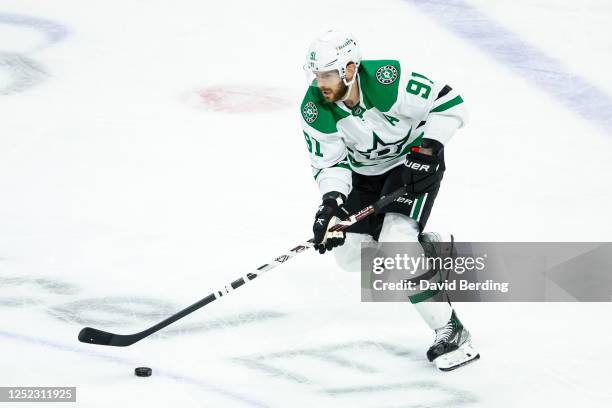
x: 381, y: 150
x: 310, y: 112
x: 386, y: 75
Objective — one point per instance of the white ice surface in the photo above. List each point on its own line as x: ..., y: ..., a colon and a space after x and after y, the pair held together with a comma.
x: 123, y: 199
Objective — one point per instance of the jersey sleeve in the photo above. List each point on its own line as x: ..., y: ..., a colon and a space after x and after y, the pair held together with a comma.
x: 438, y: 107
x: 328, y: 160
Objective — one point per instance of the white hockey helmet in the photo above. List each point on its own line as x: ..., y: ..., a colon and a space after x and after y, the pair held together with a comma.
x: 333, y: 50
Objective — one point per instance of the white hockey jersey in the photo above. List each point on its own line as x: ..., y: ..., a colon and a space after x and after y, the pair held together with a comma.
x: 397, y: 108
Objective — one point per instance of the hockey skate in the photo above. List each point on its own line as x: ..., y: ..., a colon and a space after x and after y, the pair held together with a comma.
x: 452, y: 347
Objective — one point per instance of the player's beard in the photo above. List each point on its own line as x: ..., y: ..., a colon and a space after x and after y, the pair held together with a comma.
x: 337, y: 93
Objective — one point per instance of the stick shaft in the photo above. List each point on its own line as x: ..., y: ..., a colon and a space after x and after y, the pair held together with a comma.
x: 95, y: 336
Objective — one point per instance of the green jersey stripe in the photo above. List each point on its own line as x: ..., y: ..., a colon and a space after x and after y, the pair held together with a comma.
x: 447, y: 105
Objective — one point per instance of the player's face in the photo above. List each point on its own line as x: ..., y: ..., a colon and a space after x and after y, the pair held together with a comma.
x: 331, y: 86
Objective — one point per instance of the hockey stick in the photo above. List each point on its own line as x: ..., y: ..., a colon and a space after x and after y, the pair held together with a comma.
x: 95, y: 336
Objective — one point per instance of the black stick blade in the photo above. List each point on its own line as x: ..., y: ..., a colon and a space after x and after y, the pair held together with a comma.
x: 95, y: 336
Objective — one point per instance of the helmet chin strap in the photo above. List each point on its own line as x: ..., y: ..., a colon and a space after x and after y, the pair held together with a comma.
x: 350, y: 87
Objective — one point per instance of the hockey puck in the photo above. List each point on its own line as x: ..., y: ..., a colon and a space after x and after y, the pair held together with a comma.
x: 143, y: 371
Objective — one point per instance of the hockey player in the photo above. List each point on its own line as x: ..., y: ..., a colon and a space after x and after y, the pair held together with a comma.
x: 372, y: 126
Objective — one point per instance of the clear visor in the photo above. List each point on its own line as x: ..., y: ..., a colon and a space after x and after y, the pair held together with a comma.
x: 313, y: 76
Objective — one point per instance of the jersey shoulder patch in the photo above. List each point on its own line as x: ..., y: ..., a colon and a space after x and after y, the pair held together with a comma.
x: 379, y: 83
x: 318, y: 113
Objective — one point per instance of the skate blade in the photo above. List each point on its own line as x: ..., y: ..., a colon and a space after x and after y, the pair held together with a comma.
x: 463, y: 355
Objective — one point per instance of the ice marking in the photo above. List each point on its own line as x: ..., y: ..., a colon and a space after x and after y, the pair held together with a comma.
x: 507, y: 48
x: 39, y: 342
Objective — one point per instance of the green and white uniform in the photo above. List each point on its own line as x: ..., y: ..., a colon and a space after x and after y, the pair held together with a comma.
x: 397, y: 108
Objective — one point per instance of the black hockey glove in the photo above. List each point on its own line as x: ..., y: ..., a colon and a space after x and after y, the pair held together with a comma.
x: 423, y: 172
x: 327, y: 216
